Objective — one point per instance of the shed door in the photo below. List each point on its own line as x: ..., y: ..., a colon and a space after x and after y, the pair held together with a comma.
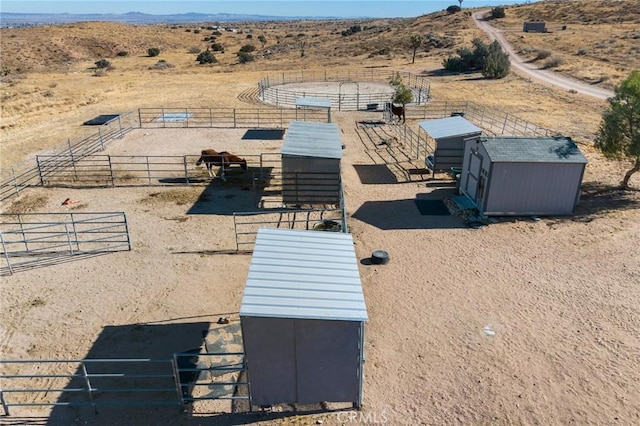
x: 473, y: 177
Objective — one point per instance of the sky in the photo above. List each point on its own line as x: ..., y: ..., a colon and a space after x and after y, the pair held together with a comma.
x: 312, y: 8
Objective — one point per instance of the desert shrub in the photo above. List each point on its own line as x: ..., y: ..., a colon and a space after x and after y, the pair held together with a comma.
x: 122, y: 53
x: 102, y: 63
x: 196, y: 31
x: 247, y: 48
x: 554, y: 61
x: 216, y: 33
x: 542, y: 54
x: 217, y: 47
x: 188, y: 30
x: 249, y: 36
x: 351, y: 30
x: 244, y: 57
x: 194, y: 49
x: 206, y: 57
x: 153, y: 51
x: 453, y: 9
x: 162, y: 65
x: 582, y: 52
x: 454, y: 64
x: 497, y: 12
x: 497, y: 63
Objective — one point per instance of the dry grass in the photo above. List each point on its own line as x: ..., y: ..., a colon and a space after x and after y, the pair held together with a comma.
x: 51, y: 85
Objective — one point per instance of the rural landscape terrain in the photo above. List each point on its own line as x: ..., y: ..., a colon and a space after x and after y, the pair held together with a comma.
x: 526, y: 320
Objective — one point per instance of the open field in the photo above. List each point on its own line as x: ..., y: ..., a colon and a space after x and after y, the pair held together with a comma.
x: 524, y: 321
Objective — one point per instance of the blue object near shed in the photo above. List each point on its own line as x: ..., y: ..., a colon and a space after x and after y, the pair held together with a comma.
x: 522, y: 176
x: 302, y: 316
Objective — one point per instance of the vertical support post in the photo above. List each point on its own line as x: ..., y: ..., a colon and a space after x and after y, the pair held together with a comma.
x: 15, y: 181
x: 120, y: 127
x: 89, y: 389
x: 24, y: 237
x: 148, y: 169
x: 4, y: 403
x: 101, y: 140
x: 113, y: 183
x: 66, y: 231
x: 126, y: 230
x: 6, y: 256
x: 176, y: 380
x: 186, y: 171
x: 39, y: 170
x: 75, y: 232
x: 358, y: 403
x: 140, y: 117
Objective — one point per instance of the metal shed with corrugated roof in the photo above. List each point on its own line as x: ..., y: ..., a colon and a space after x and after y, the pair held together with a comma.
x: 445, y: 141
x: 523, y: 175
x: 302, y: 316
x: 311, y: 154
x: 314, y: 103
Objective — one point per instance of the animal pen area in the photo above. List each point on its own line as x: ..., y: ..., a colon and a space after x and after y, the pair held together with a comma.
x: 156, y: 316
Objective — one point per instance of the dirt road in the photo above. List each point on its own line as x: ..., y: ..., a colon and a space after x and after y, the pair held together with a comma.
x: 543, y: 76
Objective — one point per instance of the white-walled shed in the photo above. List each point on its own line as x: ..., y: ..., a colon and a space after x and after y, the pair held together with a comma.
x: 302, y: 316
x: 523, y: 175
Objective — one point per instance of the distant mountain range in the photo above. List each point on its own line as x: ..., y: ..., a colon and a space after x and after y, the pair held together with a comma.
x: 27, y: 19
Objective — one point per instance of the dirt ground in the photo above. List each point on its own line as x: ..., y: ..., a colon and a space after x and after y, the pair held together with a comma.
x: 523, y: 321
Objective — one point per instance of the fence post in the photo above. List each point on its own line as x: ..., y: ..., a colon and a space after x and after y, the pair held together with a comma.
x: 75, y: 233
x: 88, y: 383
x: 4, y: 403
x: 113, y: 183
x: 140, y: 117
x: 176, y: 379
x: 148, y: 169
x: 6, y: 256
x: 186, y: 171
x: 66, y: 230
x: 120, y: 127
x: 101, y: 141
x: 15, y: 180
x: 39, y: 170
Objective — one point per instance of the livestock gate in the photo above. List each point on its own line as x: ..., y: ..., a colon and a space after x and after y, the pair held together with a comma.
x: 30, y: 239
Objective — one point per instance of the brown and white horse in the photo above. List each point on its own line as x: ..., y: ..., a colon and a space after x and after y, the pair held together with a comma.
x: 224, y: 160
x: 396, y: 110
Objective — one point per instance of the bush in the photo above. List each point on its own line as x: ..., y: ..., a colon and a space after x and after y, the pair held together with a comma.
x: 194, y: 49
x: 554, y: 61
x: 351, y: 30
x: 154, y: 51
x: 249, y: 36
x: 247, y: 48
x: 453, y: 9
x: 196, y: 31
x: 497, y: 63
x: 103, y: 63
x: 206, y: 58
x: 217, y: 47
x: 122, y: 53
x: 497, y: 12
x: 542, y: 54
x: 454, y: 64
x: 244, y: 57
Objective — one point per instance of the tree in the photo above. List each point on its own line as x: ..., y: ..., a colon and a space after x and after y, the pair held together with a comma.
x: 460, y: 1
x: 619, y: 133
x: 262, y: 39
x: 496, y: 64
x: 402, y: 94
x: 416, y: 42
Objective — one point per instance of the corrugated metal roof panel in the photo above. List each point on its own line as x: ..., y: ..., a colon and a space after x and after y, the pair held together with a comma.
x: 309, y: 139
x: 533, y: 150
x: 304, y: 274
x: 449, y: 127
x: 313, y: 102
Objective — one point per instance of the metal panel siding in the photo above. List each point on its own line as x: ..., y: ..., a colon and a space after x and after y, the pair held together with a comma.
x: 449, y: 127
x: 304, y: 274
x: 309, y: 139
x: 270, y: 353
x: 313, y: 102
x: 533, y: 188
x: 328, y: 360
x: 450, y: 152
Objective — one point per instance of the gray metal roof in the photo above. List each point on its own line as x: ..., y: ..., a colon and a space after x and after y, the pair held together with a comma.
x: 310, y: 139
x: 449, y: 127
x: 313, y: 102
x: 304, y: 274
x: 533, y: 150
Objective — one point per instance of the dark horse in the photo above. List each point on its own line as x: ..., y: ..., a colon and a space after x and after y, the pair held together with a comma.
x: 224, y: 160
x: 397, y: 110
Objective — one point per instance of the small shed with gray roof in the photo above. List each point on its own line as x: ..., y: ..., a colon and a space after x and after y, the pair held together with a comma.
x: 303, y: 104
x: 445, y: 141
x: 522, y: 175
x: 311, y: 154
x: 302, y: 316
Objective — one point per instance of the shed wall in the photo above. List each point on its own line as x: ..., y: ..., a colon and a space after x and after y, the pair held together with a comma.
x: 310, y: 180
x: 302, y: 361
x: 533, y: 188
x: 450, y: 151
